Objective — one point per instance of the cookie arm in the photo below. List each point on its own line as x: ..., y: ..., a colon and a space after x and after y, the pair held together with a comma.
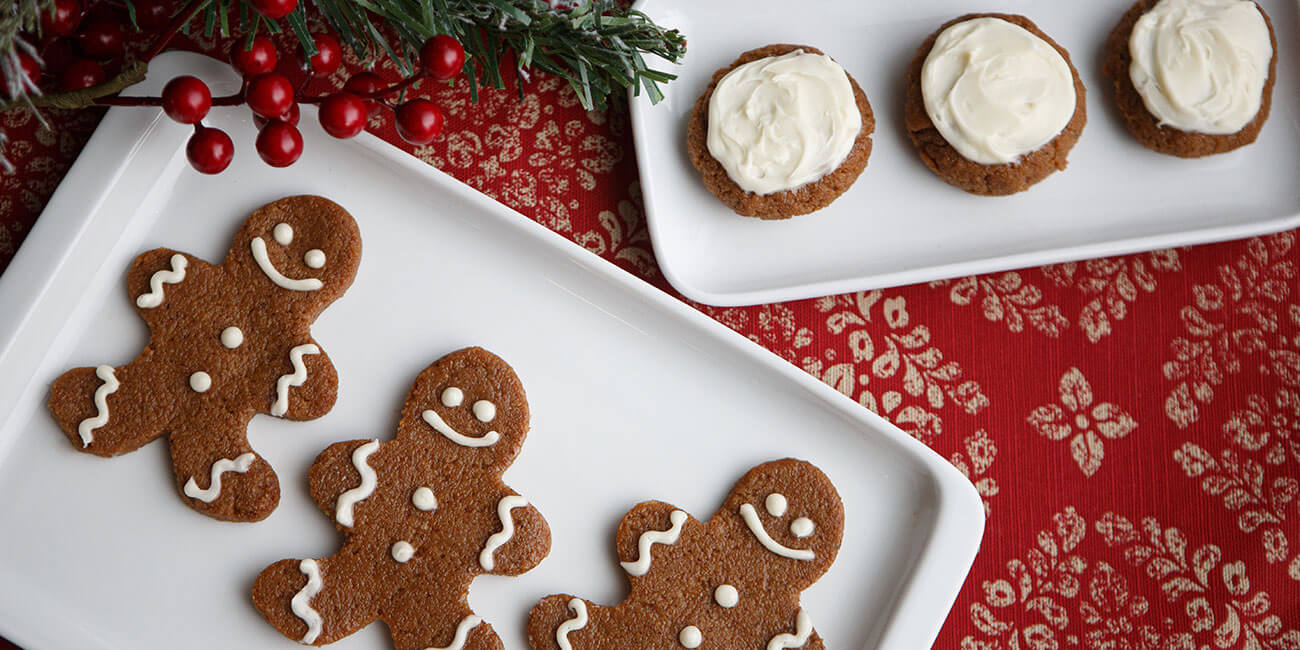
x: 307, y: 386
x: 335, y: 471
x: 156, y: 274
x: 516, y: 550
x: 650, y: 528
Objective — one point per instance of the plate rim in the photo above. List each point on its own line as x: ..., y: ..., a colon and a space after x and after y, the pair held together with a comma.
x: 941, y: 566
x: 668, y: 258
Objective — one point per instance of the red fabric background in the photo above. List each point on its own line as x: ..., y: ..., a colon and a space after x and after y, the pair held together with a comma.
x: 1133, y: 423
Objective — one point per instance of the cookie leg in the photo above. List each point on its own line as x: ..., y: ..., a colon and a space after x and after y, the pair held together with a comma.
x: 559, y: 617
x: 313, y: 601
x: 219, y: 474
x: 429, y: 621
x: 108, y: 411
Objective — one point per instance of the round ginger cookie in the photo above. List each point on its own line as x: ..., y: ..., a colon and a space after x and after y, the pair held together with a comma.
x: 1145, y: 127
x: 988, y: 179
x: 784, y: 204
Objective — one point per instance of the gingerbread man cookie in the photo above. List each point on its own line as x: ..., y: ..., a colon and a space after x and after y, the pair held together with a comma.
x: 423, y: 514
x: 226, y: 342
x: 730, y: 582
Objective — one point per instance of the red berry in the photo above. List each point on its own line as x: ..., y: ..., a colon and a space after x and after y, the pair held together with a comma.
x: 28, y: 67
x: 257, y: 59
x: 329, y: 54
x: 364, y: 83
x: 210, y: 150
x: 291, y: 117
x: 102, y: 39
x: 419, y: 121
x: 186, y: 99
x: 269, y: 94
x: 152, y: 14
x: 442, y: 57
x: 82, y: 73
x: 275, y: 8
x: 63, y: 20
x: 343, y: 115
x: 279, y: 144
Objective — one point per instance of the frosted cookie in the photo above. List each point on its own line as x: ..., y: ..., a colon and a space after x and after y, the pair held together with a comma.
x: 423, y: 515
x: 993, y: 104
x: 730, y: 582
x: 225, y: 342
x: 1193, y: 77
x: 782, y: 131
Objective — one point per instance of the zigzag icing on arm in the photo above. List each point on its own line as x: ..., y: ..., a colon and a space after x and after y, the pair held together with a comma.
x: 434, y: 420
x: 652, y: 537
x: 574, y: 624
x: 369, y: 479
x: 264, y: 263
x: 87, y: 426
x: 756, y: 527
x: 239, y: 465
x: 301, y: 603
x: 159, y: 278
x: 462, y: 633
x: 803, y: 630
x: 298, y: 378
x: 497, y: 540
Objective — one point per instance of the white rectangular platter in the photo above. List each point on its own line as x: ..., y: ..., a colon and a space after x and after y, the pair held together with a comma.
x: 900, y: 223
x: 634, y: 396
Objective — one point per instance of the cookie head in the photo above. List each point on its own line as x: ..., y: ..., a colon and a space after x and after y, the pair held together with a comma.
x: 303, y: 249
x: 790, y: 518
x: 469, y: 406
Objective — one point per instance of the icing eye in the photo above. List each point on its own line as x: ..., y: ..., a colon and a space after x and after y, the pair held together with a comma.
x: 776, y: 504
x: 283, y: 234
x: 452, y: 397
x: 315, y: 258
x: 485, y: 411
x: 802, y: 527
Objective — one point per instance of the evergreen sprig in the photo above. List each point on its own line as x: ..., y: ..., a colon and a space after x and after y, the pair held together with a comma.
x: 598, y: 46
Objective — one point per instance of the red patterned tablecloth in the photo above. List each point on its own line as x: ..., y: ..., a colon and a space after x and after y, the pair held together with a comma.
x: 1132, y: 423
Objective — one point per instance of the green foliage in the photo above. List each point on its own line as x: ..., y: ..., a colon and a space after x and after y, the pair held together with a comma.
x: 598, y: 46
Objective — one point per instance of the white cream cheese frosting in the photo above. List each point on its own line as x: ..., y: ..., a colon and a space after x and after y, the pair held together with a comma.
x: 1201, y: 65
x: 995, y: 91
x: 784, y: 121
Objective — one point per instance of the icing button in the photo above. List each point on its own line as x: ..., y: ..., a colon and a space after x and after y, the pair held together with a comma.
x: 403, y: 552
x: 424, y: 499
x: 726, y: 596
x: 690, y: 637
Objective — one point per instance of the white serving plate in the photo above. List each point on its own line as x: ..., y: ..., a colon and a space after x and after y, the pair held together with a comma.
x: 900, y: 223
x: 634, y: 396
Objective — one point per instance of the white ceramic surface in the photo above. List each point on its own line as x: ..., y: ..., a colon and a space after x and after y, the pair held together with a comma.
x: 900, y: 223
x: 634, y: 396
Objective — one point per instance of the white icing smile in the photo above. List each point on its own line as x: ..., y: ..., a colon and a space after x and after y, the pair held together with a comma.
x: 264, y: 262
x: 487, y: 440
x: 750, y: 516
